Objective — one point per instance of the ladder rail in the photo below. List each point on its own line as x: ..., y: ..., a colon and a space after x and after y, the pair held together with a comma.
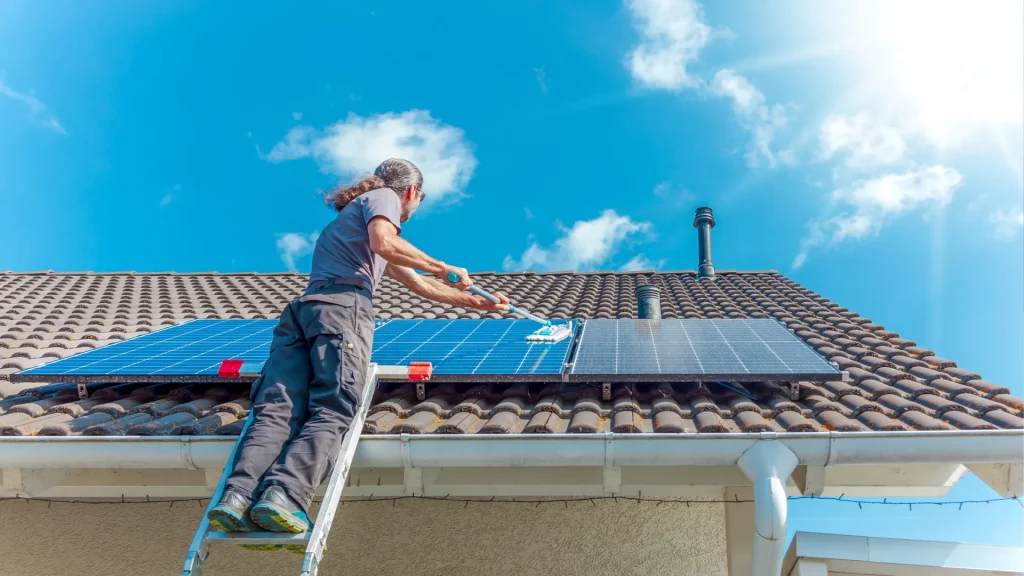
x: 339, y: 477
x: 198, y: 550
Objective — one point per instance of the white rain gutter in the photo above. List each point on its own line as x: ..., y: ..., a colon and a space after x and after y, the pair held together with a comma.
x: 485, y: 450
x: 768, y: 459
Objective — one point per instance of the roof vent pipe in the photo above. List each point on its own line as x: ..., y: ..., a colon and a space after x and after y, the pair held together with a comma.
x: 648, y: 302
x: 704, y: 221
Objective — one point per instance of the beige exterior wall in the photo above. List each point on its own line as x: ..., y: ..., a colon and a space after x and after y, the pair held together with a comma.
x: 409, y: 538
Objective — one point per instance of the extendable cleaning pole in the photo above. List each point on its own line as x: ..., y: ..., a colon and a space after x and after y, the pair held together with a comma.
x: 548, y: 333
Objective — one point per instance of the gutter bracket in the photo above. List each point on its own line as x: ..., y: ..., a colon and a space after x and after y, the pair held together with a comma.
x: 186, y: 454
x: 611, y: 474
x: 768, y: 464
x: 412, y: 477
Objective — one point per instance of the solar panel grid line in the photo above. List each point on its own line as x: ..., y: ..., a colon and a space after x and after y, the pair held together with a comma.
x: 519, y: 366
x: 731, y: 349
x: 616, y: 347
x: 471, y: 332
x: 654, y: 348
x: 484, y: 359
x: 396, y: 338
x: 414, y: 350
x: 772, y: 350
x: 700, y: 364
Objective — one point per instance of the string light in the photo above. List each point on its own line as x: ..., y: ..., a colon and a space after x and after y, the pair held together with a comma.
x: 566, y: 501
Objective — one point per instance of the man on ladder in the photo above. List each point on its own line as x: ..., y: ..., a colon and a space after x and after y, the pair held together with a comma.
x: 310, y: 388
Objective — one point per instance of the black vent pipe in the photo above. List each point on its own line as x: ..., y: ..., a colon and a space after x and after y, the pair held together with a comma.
x: 648, y: 302
x: 704, y: 221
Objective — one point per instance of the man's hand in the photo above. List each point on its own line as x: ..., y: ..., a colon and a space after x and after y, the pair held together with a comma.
x: 445, y: 292
x: 464, y: 281
x: 482, y: 303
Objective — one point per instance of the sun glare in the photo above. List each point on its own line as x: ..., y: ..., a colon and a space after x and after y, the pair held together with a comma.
x: 951, y: 65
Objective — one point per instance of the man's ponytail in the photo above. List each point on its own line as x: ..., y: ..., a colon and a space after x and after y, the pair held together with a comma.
x: 395, y: 173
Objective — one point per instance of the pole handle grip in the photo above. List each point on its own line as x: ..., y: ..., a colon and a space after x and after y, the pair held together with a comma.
x: 484, y: 294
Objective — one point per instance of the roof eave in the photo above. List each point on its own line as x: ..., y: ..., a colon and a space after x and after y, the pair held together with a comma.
x: 479, y: 450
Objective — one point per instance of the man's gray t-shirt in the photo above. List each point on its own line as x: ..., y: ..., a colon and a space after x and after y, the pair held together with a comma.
x: 343, y: 252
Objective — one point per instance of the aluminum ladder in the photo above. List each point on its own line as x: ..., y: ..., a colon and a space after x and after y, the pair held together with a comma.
x: 315, y: 539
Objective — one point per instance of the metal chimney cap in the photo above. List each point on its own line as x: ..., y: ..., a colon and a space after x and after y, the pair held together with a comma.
x: 644, y: 290
x: 648, y: 302
x: 703, y: 214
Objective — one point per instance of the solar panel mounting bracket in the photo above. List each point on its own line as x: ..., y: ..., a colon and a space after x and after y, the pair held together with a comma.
x: 83, y: 390
x: 606, y: 391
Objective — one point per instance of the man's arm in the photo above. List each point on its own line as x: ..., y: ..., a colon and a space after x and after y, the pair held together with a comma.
x: 434, y: 290
x: 386, y: 243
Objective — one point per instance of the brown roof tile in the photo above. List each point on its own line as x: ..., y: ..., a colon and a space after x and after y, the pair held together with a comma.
x: 894, y: 383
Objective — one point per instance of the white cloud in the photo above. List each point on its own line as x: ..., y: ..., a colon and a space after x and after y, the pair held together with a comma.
x: 528, y: 213
x: 36, y: 109
x: 355, y: 146
x: 296, y: 115
x: 641, y: 262
x: 754, y: 114
x: 672, y: 34
x: 292, y: 245
x: 870, y: 204
x: 170, y: 196
x: 1007, y: 222
x: 676, y: 196
x: 868, y: 143
x: 587, y: 245
x: 542, y: 78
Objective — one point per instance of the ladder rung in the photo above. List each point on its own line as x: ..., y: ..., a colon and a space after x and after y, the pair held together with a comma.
x: 257, y: 537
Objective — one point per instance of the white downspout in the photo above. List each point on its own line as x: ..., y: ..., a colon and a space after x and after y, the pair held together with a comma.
x: 768, y: 464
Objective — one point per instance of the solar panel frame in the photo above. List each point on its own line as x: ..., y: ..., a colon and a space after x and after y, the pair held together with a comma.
x: 713, y: 350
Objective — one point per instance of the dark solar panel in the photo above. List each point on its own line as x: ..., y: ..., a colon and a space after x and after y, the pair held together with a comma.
x: 694, y: 350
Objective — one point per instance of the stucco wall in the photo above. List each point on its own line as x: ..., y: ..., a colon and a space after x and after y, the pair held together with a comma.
x: 411, y: 538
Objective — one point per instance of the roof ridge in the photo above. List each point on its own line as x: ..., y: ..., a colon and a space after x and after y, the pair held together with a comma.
x: 477, y: 273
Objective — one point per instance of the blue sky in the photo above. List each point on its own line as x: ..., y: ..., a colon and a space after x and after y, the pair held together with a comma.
x: 873, y: 153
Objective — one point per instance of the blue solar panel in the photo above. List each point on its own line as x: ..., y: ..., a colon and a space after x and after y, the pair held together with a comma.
x: 471, y: 349
x: 192, y: 349
x: 695, y: 350
x: 458, y: 349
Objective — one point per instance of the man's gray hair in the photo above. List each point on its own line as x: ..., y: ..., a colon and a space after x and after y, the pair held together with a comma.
x: 398, y: 174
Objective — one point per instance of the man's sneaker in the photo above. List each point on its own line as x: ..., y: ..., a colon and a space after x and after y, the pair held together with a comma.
x: 231, y: 514
x: 277, y: 512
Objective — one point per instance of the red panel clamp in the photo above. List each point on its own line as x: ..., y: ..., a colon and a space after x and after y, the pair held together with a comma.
x: 420, y: 371
x: 230, y: 368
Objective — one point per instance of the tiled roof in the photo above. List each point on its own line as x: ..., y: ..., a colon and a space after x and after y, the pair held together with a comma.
x: 894, y: 383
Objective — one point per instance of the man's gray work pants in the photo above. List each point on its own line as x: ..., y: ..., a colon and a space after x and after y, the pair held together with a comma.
x: 307, y: 394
